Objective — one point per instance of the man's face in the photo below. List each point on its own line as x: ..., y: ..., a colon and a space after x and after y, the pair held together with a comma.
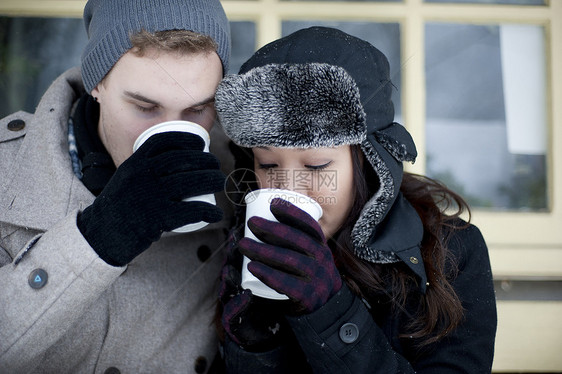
x: 140, y: 92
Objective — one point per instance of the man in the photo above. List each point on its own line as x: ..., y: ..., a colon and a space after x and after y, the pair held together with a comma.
x: 91, y: 279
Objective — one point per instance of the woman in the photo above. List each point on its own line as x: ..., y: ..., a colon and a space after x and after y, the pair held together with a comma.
x: 386, y: 281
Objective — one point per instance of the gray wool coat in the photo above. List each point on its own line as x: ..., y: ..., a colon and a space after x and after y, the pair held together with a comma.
x: 152, y: 316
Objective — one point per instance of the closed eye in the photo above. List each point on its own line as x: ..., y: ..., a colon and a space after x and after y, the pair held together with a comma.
x: 318, y: 167
x: 146, y: 109
x: 267, y: 166
x: 198, y: 110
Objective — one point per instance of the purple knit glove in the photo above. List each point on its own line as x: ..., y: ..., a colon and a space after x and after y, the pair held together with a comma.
x: 294, y: 258
x: 252, y: 322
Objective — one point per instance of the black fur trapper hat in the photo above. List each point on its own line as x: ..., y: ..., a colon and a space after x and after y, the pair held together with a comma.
x: 321, y: 87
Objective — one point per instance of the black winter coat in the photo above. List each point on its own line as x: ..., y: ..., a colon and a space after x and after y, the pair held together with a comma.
x: 343, y: 337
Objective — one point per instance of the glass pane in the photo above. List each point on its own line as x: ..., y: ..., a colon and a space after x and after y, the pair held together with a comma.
x: 384, y: 36
x: 486, y: 113
x: 243, y: 44
x: 33, y: 52
x: 513, y: 2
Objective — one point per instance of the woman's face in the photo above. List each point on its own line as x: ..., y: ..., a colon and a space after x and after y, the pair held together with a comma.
x: 324, y: 174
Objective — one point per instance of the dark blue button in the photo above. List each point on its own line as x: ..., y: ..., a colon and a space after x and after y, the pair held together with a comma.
x: 37, y: 278
x: 16, y: 125
x: 349, y: 333
x: 200, y: 364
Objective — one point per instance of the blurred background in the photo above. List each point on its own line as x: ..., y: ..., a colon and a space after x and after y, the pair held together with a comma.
x: 478, y: 83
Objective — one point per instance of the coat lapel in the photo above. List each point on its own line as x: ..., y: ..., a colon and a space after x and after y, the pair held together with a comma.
x: 40, y: 188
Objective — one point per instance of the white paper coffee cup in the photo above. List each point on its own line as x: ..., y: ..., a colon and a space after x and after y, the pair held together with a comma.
x: 183, y: 126
x: 258, y: 204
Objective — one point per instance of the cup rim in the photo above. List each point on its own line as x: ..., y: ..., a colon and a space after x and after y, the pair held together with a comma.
x: 157, y: 128
x: 253, y: 195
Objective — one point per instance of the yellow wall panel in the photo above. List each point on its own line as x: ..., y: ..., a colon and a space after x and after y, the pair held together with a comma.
x: 529, y: 337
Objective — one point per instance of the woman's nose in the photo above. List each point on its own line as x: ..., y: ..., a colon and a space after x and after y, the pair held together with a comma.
x: 297, y: 180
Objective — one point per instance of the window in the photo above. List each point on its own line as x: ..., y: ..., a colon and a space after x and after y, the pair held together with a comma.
x: 486, y: 125
x: 33, y: 51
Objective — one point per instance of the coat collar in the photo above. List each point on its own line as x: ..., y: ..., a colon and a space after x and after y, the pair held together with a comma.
x: 41, y: 178
x: 397, y: 238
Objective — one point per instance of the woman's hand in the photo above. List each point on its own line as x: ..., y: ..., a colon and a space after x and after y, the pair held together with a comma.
x: 294, y: 258
x: 254, y: 323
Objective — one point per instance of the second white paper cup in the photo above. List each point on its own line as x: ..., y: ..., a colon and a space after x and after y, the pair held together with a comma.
x: 183, y: 126
x: 258, y: 204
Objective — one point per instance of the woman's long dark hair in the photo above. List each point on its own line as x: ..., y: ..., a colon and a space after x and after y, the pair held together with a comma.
x: 393, y: 286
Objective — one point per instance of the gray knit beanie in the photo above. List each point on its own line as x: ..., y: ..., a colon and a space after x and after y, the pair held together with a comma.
x: 109, y: 24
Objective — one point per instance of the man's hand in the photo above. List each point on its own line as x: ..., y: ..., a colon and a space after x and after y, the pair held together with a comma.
x: 144, y: 197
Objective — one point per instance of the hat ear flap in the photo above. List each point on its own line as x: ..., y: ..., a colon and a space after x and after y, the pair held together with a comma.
x: 398, y: 142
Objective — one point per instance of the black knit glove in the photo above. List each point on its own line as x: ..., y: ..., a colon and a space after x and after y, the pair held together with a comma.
x: 144, y: 197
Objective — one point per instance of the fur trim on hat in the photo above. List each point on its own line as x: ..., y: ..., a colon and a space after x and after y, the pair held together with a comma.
x: 374, y: 211
x: 291, y: 106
